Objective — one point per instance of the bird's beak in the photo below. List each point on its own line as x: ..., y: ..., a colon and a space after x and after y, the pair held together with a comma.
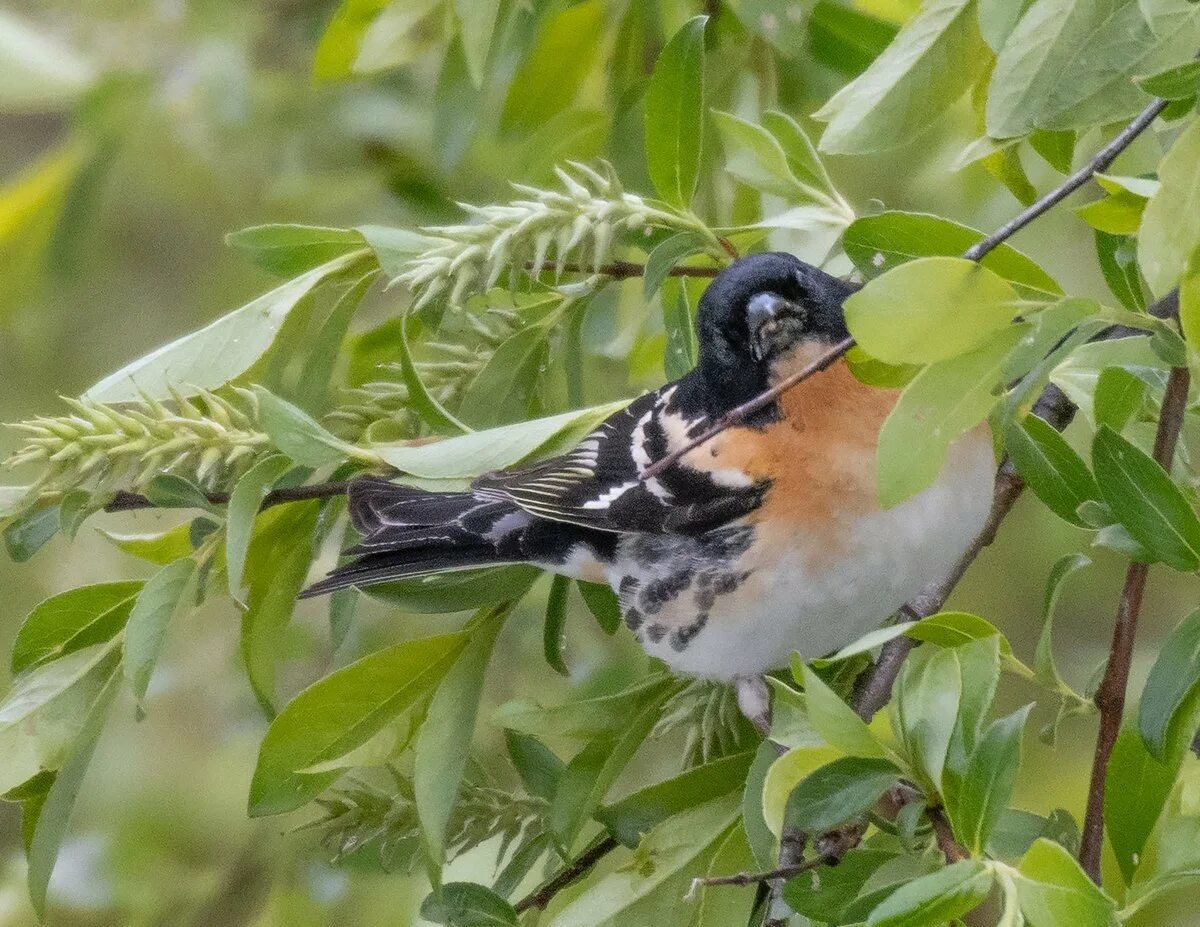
x: 763, y: 315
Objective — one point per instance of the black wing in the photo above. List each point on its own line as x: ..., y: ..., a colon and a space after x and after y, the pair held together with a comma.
x: 598, y: 485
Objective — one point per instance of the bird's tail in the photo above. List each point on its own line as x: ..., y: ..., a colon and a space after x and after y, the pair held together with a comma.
x: 410, y: 532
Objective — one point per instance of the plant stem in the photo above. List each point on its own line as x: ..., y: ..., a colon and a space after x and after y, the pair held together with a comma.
x: 577, y: 869
x: 1110, y: 696
x: 623, y: 270
x: 1099, y: 163
x: 130, y: 501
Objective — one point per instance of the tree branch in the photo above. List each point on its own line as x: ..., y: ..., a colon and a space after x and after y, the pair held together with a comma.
x: 576, y: 870
x: 1110, y: 696
x: 124, y: 501
x: 1099, y: 163
x: 623, y: 270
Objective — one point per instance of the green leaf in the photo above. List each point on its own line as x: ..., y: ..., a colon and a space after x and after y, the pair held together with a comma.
x: 288, y: 250
x: 1045, y: 78
x: 583, y: 717
x: 477, y: 24
x: 838, y: 792
x: 908, y: 86
x: 392, y: 39
x: 1168, y: 701
x: 675, y: 848
x: 998, y: 18
x: 1117, y: 255
x: 925, y: 710
x: 756, y: 156
x: 425, y: 404
x: 147, y: 626
x: 313, y: 390
x: 943, y: 402
x: 1044, y: 667
x: 341, y: 712
x: 444, y: 741
x: 1180, y: 82
x: 539, y: 767
x: 72, y: 620
x: 1119, y: 396
x: 937, y: 898
x: 1170, y: 231
x: 299, y: 435
x: 240, y: 515
x: 555, y: 626
x: 591, y: 773
x: 836, y: 721
x: 987, y: 786
x: 844, y: 38
x: 930, y: 309
x: 158, y: 549
x: 1051, y: 467
x: 674, y: 107
x: 602, y: 603
x: 46, y: 708
x: 665, y: 256
x: 30, y: 531
x: 506, y: 388
x: 1136, y: 789
x: 469, y: 455
x: 1117, y: 214
x: 1055, y: 891
x: 171, y: 491
x: 339, y: 45
x: 681, y: 350
x: 219, y: 352
x: 635, y: 815
x: 55, y: 813
x: 277, y: 566
x: 456, y: 591
x: 1146, y: 501
x: 466, y: 904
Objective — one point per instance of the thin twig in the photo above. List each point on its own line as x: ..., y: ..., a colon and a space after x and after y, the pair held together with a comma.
x: 1110, y: 696
x: 754, y: 878
x: 738, y: 415
x: 576, y: 870
x: 943, y: 833
x: 124, y: 501
x: 1098, y: 164
x: 623, y: 270
x: 1103, y: 158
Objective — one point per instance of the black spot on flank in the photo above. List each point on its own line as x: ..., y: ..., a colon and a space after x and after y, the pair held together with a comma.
x: 629, y: 585
x: 658, y: 593
x: 705, y: 597
x: 633, y: 619
x: 656, y: 632
x: 728, y: 582
x: 683, y: 636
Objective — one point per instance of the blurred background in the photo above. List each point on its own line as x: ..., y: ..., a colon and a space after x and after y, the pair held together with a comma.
x: 133, y: 135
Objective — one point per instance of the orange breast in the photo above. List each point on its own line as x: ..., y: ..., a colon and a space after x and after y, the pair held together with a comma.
x: 820, y: 456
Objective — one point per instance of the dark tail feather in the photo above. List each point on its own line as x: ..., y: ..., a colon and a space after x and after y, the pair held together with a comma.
x: 410, y: 532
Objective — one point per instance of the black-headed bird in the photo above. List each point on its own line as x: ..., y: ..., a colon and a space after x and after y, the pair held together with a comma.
x: 767, y: 539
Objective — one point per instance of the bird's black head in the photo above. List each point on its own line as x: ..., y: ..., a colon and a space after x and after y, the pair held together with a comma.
x: 758, y: 309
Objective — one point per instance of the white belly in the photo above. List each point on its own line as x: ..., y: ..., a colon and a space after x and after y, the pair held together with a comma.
x: 818, y: 604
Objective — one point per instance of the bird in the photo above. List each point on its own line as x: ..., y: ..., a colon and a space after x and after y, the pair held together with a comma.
x: 766, y: 540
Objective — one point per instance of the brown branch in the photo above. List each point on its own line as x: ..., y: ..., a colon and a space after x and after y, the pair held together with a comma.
x: 943, y: 833
x: 1110, y: 696
x: 738, y: 415
x: 576, y: 870
x: 124, y: 501
x: 623, y: 270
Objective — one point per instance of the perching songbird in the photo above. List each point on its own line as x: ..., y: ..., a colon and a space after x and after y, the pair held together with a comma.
x: 765, y: 540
